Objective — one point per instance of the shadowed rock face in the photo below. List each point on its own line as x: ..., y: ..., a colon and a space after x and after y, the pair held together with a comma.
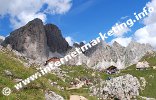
x: 55, y: 40
x: 36, y: 40
x: 29, y: 39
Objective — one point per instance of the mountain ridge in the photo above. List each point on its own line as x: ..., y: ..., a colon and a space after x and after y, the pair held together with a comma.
x: 103, y: 55
x: 41, y: 42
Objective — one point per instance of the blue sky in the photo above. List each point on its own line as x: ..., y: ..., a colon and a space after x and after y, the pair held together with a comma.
x: 81, y: 20
x: 84, y: 23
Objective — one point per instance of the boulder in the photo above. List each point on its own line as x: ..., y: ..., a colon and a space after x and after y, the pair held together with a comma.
x: 77, y: 97
x: 123, y: 88
x: 50, y: 95
x: 142, y: 65
x: 8, y: 73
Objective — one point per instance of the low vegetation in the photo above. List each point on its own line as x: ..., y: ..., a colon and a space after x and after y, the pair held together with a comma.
x: 36, y: 90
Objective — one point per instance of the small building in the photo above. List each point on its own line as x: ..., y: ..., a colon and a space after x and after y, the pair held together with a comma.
x: 54, y: 59
x: 112, y: 70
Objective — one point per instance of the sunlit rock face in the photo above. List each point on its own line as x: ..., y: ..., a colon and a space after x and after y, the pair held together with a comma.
x: 103, y: 55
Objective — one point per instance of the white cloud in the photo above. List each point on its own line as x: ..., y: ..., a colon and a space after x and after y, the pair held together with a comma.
x: 21, y: 12
x: 58, y: 6
x: 25, y: 17
x: 124, y: 17
x: 2, y: 37
x: 124, y: 41
x: 69, y: 40
x: 146, y: 34
x: 152, y: 16
x: 120, y: 31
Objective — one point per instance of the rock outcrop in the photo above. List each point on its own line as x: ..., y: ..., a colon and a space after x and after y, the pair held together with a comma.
x: 37, y: 41
x: 77, y: 97
x: 123, y: 88
x: 142, y: 65
x: 50, y: 95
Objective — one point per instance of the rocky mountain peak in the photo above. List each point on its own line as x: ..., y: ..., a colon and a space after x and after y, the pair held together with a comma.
x: 133, y: 44
x: 116, y: 44
x: 29, y: 40
x: 136, y: 50
x: 35, y: 22
x: 36, y: 40
x: 78, y: 44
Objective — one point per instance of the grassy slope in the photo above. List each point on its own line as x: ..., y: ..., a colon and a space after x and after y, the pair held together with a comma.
x: 35, y: 90
x: 9, y: 62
